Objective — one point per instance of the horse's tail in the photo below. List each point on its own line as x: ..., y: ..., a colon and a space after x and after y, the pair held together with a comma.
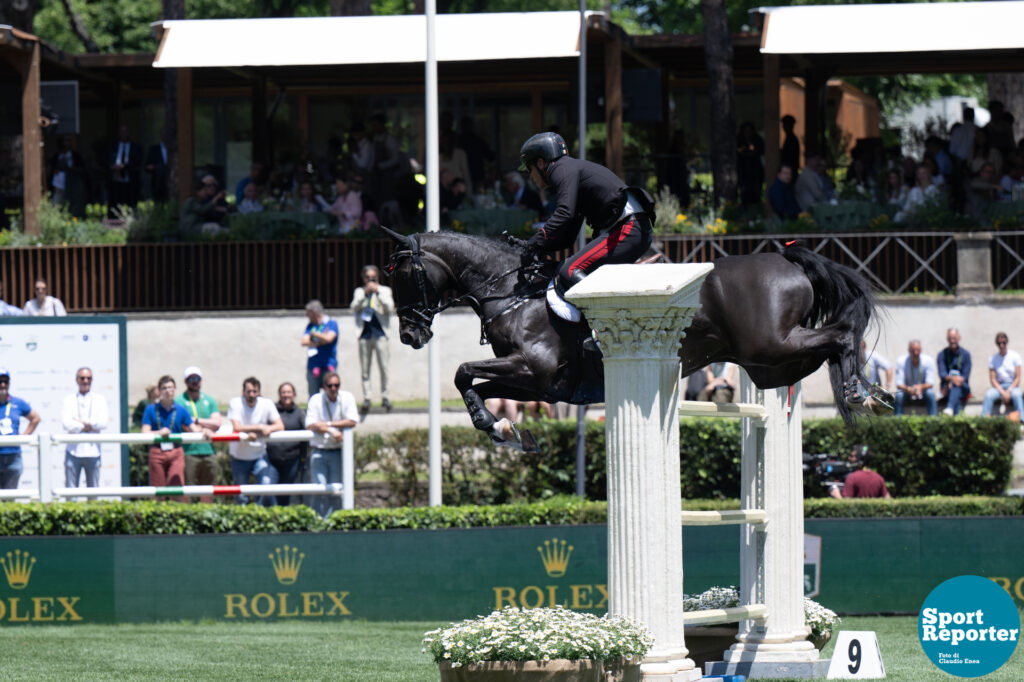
x: 842, y: 297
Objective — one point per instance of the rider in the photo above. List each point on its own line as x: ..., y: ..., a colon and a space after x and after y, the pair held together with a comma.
x: 620, y: 216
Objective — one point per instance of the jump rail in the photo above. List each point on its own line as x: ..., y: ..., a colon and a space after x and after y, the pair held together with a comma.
x: 697, y: 408
x: 733, y: 614
x: 756, y: 517
x: 45, y: 444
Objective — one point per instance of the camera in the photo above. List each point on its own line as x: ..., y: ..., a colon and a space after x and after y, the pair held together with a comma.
x: 826, y: 469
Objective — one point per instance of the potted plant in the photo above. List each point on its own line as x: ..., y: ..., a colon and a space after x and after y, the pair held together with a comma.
x: 707, y: 642
x: 549, y: 644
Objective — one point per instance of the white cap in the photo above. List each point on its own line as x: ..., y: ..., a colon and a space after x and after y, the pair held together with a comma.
x: 4, y: 372
x: 193, y: 371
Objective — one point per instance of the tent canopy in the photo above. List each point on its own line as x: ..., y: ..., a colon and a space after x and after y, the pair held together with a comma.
x: 366, y: 40
x: 893, y: 28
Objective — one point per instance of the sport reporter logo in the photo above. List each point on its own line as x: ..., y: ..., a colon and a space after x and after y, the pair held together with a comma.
x: 969, y: 626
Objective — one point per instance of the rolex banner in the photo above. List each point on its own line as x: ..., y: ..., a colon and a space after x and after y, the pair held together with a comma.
x: 857, y: 566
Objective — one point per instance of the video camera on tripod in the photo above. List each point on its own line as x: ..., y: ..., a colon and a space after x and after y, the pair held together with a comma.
x: 827, y: 469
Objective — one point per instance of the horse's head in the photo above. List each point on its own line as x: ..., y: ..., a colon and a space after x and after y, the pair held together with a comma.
x: 418, y: 280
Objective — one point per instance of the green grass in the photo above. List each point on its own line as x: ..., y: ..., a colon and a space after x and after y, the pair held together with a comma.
x: 350, y: 651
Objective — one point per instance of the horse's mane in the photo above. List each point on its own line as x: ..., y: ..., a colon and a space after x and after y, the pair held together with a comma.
x: 491, y: 246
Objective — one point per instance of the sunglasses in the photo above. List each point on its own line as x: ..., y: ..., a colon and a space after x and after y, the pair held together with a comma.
x: 85, y: 378
x: 333, y: 385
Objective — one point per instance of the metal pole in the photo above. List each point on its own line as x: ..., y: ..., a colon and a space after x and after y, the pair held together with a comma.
x: 433, y: 225
x: 581, y: 239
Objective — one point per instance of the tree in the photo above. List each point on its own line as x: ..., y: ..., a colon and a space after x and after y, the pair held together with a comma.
x: 718, y: 56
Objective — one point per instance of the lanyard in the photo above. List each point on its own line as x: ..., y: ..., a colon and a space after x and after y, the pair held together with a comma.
x: 160, y: 421
x: 192, y: 404
x: 7, y: 412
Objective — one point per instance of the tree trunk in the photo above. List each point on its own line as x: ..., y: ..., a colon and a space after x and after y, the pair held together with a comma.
x: 173, y: 9
x: 78, y: 27
x: 1009, y: 89
x: 718, y: 56
x: 20, y: 14
x: 350, y: 8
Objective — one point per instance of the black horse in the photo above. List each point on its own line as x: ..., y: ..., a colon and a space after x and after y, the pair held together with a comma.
x: 777, y: 315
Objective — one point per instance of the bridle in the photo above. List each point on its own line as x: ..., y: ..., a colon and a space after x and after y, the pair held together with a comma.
x: 421, y: 313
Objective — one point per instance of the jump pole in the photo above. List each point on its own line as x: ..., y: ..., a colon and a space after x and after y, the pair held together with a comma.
x: 639, y: 313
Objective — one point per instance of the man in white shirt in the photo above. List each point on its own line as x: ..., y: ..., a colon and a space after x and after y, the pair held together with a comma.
x: 1004, y: 375
x: 328, y: 413
x: 916, y: 379
x: 44, y: 305
x: 83, y: 412
x: 254, y: 418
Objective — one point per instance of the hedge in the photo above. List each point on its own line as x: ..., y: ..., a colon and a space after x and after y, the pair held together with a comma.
x: 175, y: 518
x: 918, y: 456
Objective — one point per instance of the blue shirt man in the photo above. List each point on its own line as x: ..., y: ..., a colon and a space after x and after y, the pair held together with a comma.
x: 954, y: 365
x: 782, y: 197
x: 12, y: 410
x: 175, y: 418
x: 321, y: 341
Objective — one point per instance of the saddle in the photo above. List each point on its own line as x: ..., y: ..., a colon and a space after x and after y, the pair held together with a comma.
x: 567, y: 311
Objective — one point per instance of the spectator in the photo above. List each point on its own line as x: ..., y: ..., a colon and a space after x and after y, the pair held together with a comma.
x: 895, y: 189
x: 1004, y: 376
x: 250, y: 200
x: 789, y: 154
x: 125, y: 163
x: 387, y: 159
x: 372, y: 305
x: 157, y: 165
x: 368, y: 217
x: 287, y: 458
x: 782, y: 197
x: 306, y: 201
x: 321, y: 340
x: 83, y: 412
x: 255, y: 177
x: 202, y: 213
x: 506, y: 406
x: 923, y: 193
x: 254, y: 418
x: 862, y: 481
x: 722, y: 381
x: 152, y: 395
x: 12, y: 411
x: 515, y: 193
x: 916, y: 379
x: 1013, y: 177
x: 984, y: 153
x: 361, y: 158
x: 452, y: 191
x: 999, y: 130
x: 329, y: 412
x: 811, y: 186
x: 961, y: 137
x: 695, y: 383
x: 877, y: 368
x: 954, y: 363
x: 982, y: 191
x: 935, y: 151
x: 749, y: 164
x: 44, y: 305
x: 453, y: 158
x: 201, y: 464
x: 68, y: 179
x: 6, y: 309
x: 478, y: 152
x: 166, y: 417
x: 347, y: 206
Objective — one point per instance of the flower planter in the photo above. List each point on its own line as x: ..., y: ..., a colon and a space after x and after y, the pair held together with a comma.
x: 558, y: 670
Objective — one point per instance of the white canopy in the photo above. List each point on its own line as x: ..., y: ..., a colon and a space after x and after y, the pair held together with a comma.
x: 910, y: 27
x: 366, y: 40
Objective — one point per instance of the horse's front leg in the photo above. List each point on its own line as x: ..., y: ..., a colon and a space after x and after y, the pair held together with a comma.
x: 506, y: 377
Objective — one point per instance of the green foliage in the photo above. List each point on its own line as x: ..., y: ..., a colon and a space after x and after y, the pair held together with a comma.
x: 58, y: 227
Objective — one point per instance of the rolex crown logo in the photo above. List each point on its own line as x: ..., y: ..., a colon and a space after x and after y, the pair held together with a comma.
x: 18, y: 567
x: 555, y: 554
x: 286, y: 562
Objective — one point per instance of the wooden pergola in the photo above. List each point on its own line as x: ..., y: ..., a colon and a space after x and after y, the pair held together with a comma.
x: 22, y: 52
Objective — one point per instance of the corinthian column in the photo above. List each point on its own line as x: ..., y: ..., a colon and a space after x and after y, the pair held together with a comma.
x: 639, y: 313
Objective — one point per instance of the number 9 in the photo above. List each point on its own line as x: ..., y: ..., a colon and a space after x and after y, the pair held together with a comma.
x: 854, y: 656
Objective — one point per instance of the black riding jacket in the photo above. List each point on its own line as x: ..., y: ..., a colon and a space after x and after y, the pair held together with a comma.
x: 586, y: 190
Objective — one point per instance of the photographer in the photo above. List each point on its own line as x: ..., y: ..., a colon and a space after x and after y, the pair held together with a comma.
x: 862, y: 481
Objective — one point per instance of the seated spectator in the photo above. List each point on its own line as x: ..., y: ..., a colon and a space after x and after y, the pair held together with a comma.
x: 201, y: 214
x: 6, y: 309
x: 984, y: 153
x: 859, y: 179
x: 923, y: 192
x: 1004, y: 376
x: 935, y: 150
x: 954, y: 365
x: 44, y: 305
x: 453, y: 158
x: 1013, y: 177
x: 812, y: 187
x: 878, y: 369
x: 695, y: 383
x: 306, y: 201
x: 347, y: 206
x: 782, y: 197
x: 916, y: 377
x: 515, y: 193
x: 287, y: 458
x: 362, y: 155
x: 453, y: 191
x: 722, y: 382
x: 255, y: 177
x: 254, y: 418
x: 357, y: 185
x: 895, y: 189
x: 862, y: 481
x: 152, y: 395
x: 250, y: 200
x: 982, y: 191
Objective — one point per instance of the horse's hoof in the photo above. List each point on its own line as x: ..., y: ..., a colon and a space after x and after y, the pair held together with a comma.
x: 505, y: 434
x: 882, y: 397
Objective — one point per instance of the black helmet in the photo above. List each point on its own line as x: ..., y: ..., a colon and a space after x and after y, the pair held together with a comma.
x: 547, y: 146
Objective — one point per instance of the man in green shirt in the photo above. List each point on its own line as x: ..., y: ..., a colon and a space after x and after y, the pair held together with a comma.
x: 201, y: 464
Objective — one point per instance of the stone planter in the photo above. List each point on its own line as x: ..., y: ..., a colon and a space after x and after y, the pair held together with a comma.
x: 559, y: 670
x: 820, y: 642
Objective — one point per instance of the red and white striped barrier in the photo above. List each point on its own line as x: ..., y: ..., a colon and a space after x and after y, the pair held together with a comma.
x: 203, y: 490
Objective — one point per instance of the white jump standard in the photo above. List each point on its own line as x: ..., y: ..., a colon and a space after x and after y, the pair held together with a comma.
x: 639, y: 314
